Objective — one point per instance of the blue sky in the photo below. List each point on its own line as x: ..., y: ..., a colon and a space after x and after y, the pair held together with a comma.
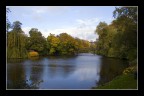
x: 78, y: 21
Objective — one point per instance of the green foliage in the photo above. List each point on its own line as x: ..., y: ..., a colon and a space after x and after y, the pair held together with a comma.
x: 17, y: 26
x: 16, y: 41
x: 120, y: 82
x: 92, y: 47
x: 101, y: 29
x: 68, y: 44
x: 36, y: 42
x: 82, y: 46
x: 111, y: 52
x: 64, y: 44
x: 102, y: 43
x: 119, y: 39
x: 53, y: 43
x: 130, y: 12
x: 52, y: 51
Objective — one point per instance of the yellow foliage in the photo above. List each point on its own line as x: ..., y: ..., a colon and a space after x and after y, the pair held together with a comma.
x: 33, y: 54
x: 131, y: 69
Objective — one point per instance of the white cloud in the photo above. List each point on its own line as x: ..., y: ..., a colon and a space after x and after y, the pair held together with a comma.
x: 85, y: 33
x: 40, y: 11
x: 37, y: 12
x: 87, y: 21
x: 87, y: 72
x: 26, y: 30
x: 83, y: 29
x: 44, y: 9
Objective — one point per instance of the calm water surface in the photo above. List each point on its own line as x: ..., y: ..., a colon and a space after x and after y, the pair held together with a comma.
x: 77, y: 72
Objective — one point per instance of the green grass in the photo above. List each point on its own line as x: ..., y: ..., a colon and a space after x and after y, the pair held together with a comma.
x: 121, y: 82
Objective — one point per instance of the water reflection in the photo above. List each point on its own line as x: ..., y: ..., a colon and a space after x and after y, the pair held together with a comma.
x: 61, y: 70
x: 34, y: 70
x: 110, y: 68
x: 16, y: 77
x: 87, y: 73
x: 78, y: 72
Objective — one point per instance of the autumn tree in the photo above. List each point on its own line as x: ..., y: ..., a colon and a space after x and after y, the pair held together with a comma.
x: 53, y: 44
x: 64, y: 44
x: 68, y: 44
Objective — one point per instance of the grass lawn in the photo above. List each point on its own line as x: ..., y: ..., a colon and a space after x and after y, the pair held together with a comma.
x: 121, y: 82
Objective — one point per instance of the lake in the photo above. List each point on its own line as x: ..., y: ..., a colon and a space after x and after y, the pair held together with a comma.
x: 83, y: 71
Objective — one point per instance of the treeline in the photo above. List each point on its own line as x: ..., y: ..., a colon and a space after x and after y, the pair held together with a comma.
x: 119, y: 39
x: 19, y: 44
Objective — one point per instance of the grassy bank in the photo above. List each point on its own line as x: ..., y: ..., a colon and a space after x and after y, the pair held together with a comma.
x: 121, y: 82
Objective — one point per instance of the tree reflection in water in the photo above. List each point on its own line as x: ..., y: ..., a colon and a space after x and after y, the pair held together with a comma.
x: 23, y: 84
x: 110, y: 68
x: 79, y: 72
x: 60, y: 70
x: 17, y: 78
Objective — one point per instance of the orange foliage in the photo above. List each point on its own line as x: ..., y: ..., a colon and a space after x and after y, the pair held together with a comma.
x: 33, y: 54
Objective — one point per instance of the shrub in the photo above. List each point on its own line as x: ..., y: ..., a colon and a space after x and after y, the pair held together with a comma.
x: 33, y: 54
x: 131, y: 69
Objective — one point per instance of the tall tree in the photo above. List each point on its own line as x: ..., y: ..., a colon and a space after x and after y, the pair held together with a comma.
x: 102, y: 31
x: 129, y: 12
x: 119, y: 39
x: 36, y: 41
x: 8, y: 24
x: 53, y: 44
x: 126, y: 21
x: 17, y: 26
x: 68, y: 44
x: 16, y: 42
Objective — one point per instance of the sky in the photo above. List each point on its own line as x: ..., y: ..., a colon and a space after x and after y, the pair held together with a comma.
x: 77, y: 21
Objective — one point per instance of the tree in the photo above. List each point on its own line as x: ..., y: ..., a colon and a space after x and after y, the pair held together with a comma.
x: 16, y: 42
x: 64, y: 44
x: 93, y: 47
x: 36, y: 41
x: 119, y: 39
x: 53, y: 43
x: 8, y: 24
x: 100, y: 30
x: 126, y: 19
x: 102, y: 46
x: 128, y: 12
x: 68, y: 44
